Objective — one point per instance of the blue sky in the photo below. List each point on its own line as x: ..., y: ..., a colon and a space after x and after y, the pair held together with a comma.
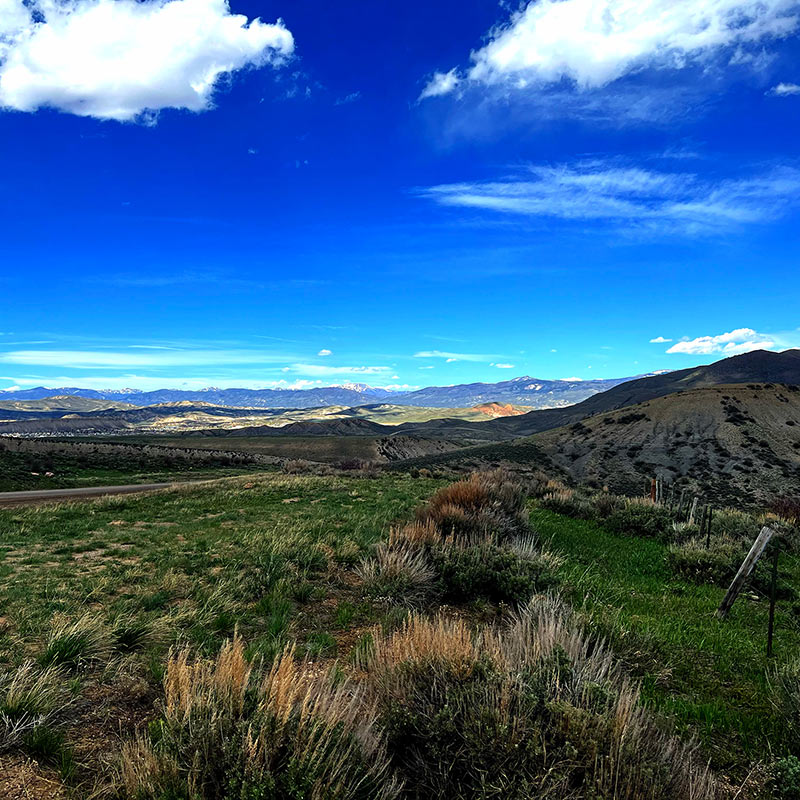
x: 194, y: 193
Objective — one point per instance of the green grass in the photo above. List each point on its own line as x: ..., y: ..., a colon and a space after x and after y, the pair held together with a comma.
x: 202, y: 558
x: 709, y: 676
x: 275, y: 562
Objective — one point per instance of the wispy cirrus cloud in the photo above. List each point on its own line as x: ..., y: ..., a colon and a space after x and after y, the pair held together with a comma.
x: 629, y: 196
x: 447, y: 356
x: 121, y: 59
x: 324, y: 370
x: 152, y: 357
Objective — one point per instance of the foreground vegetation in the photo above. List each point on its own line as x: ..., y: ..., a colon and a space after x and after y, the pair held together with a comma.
x: 299, y: 636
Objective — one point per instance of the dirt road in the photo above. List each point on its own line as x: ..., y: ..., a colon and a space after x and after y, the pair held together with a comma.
x: 44, y: 495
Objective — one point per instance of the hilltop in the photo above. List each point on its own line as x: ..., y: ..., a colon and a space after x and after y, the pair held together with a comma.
x: 759, y: 366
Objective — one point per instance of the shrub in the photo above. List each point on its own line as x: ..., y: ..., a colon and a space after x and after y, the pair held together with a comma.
x: 534, y: 710
x: 472, y: 540
x: 717, y: 564
x: 605, y: 504
x: 640, y: 519
x: 76, y: 644
x: 398, y: 571
x: 568, y: 503
x: 229, y: 731
x: 787, y: 508
x: 735, y: 524
x: 786, y: 778
x: 486, y: 503
x: 490, y: 571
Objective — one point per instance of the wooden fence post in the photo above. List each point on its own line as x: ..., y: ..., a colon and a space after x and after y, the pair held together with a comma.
x: 680, y: 502
x: 762, y: 540
x: 708, y: 527
x: 690, y: 520
x: 772, y: 593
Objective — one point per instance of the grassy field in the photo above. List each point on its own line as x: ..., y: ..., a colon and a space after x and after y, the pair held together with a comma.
x: 708, y: 676
x: 274, y: 557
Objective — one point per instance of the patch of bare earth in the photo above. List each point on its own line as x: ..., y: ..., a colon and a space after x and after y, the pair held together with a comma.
x: 22, y: 778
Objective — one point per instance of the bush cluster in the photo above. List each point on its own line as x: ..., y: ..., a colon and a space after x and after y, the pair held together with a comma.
x: 230, y: 730
x: 434, y: 710
x: 532, y: 710
x: 471, y: 540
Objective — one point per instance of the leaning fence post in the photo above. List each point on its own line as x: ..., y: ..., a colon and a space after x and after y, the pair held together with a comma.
x: 762, y: 540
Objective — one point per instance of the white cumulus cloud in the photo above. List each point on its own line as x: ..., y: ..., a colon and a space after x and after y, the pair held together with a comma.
x: 595, y: 42
x: 741, y: 340
x: 325, y: 352
x: 785, y: 90
x: 659, y: 340
x: 120, y: 59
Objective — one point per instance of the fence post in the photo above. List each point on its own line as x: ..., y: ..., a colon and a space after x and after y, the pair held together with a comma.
x: 762, y: 540
x: 690, y: 520
x: 708, y: 527
x: 772, y: 593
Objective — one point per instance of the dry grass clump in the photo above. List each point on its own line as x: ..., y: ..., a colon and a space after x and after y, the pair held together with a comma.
x: 472, y: 539
x: 31, y: 697
x: 232, y: 730
x: 534, y: 710
x: 399, y: 571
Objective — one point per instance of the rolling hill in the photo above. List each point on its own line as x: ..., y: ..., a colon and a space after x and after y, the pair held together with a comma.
x: 118, y: 418
x: 739, y: 444
x: 737, y: 441
x: 759, y: 366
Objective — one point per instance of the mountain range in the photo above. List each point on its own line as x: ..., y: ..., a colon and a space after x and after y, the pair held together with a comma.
x: 527, y: 391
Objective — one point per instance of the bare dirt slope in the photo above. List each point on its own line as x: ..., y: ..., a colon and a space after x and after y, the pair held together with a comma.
x: 734, y: 440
